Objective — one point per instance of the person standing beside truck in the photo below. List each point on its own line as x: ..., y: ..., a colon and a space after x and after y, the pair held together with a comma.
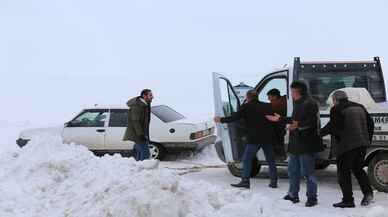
x: 279, y: 106
x: 260, y: 135
x: 139, y: 117
x: 351, y: 129
x: 305, y: 142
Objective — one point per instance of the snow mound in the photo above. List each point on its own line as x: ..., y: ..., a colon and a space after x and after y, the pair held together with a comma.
x: 48, y: 178
x: 358, y: 95
x: 377, y: 211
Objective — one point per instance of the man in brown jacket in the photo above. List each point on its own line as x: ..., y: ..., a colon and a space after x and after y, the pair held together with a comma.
x: 139, y: 117
x: 279, y: 106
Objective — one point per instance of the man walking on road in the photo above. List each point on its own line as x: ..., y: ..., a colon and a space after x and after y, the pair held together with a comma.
x: 304, y: 143
x: 260, y: 135
x: 351, y: 129
x: 139, y: 117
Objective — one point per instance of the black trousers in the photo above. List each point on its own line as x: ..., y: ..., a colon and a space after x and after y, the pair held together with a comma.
x: 348, y: 163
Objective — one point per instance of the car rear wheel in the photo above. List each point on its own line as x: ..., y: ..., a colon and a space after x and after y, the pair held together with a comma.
x: 237, y: 168
x: 378, y: 172
x: 157, y: 151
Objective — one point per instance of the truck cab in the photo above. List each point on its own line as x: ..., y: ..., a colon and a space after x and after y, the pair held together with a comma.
x: 322, y: 78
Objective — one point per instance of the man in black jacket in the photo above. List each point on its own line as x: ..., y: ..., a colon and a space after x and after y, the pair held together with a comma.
x: 351, y: 129
x: 260, y: 135
x: 305, y: 142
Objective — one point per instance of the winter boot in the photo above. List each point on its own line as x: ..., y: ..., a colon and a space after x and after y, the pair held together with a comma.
x: 273, y: 184
x: 311, y: 202
x: 368, y: 199
x: 244, y: 183
x: 292, y: 199
x: 344, y: 204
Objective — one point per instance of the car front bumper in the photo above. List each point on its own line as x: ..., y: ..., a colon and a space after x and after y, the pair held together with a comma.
x: 195, y: 145
x: 22, y: 142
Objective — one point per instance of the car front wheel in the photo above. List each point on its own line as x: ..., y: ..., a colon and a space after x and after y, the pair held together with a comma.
x: 237, y: 168
x: 378, y: 172
x: 157, y: 151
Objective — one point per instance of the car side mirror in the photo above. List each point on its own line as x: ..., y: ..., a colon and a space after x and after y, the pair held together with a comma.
x: 68, y: 124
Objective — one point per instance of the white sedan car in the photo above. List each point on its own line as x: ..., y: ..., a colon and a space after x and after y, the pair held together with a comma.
x: 101, y: 129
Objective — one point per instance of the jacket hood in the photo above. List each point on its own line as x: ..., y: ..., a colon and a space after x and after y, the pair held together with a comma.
x: 136, y: 101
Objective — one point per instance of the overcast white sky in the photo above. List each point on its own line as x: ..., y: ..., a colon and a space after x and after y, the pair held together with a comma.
x: 58, y: 56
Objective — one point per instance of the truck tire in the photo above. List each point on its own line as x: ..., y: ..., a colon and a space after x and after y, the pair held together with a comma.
x: 236, y: 168
x: 157, y: 151
x: 378, y: 172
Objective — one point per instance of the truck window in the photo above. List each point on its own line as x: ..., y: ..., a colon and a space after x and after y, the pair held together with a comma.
x: 166, y: 114
x: 279, y: 83
x: 118, y: 118
x: 90, y: 118
x: 321, y: 84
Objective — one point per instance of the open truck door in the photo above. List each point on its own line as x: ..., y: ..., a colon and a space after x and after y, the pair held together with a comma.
x: 232, y: 135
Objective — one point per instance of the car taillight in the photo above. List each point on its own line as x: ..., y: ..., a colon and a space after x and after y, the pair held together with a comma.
x: 202, y: 133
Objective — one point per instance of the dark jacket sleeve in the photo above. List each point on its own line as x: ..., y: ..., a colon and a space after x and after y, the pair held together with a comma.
x: 235, y: 116
x: 285, y: 120
x: 326, y: 130
x: 335, y: 125
x: 371, y: 125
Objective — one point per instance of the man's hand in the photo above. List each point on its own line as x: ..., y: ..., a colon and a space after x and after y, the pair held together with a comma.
x: 217, y: 119
x: 273, y: 118
x: 293, y: 126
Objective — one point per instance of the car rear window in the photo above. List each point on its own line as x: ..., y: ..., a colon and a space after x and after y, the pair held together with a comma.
x: 166, y: 114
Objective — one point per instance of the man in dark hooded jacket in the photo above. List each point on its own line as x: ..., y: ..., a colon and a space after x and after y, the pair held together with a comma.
x: 351, y: 129
x: 139, y: 117
x: 304, y: 144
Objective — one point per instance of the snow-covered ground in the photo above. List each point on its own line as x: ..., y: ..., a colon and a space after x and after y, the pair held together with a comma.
x: 50, y: 179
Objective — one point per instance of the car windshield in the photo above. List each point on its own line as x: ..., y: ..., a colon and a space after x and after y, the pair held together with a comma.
x: 166, y: 114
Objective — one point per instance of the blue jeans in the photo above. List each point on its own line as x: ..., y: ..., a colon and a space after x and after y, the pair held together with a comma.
x: 142, y: 152
x: 302, y: 166
x: 250, y: 153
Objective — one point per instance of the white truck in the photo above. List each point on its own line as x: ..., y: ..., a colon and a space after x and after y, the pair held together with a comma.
x: 322, y: 78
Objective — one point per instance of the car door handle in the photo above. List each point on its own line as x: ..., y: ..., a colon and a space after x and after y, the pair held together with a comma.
x: 100, y: 130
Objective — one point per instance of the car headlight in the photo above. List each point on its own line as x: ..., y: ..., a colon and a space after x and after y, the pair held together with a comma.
x: 201, y: 134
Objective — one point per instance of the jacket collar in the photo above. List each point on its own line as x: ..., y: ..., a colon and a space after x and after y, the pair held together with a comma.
x: 143, y: 101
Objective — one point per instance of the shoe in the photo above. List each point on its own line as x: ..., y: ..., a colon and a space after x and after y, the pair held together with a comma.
x: 273, y: 184
x: 368, y: 199
x: 344, y: 204
x: 242, y: 184
x: 292, y: 199
x: 311, y: 202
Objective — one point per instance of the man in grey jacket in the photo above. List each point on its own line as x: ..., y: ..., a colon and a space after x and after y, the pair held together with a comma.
x: 139, y: 117
x: 351, y: 129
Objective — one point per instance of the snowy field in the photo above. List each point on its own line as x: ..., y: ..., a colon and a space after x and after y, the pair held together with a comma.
x: 50, y: 179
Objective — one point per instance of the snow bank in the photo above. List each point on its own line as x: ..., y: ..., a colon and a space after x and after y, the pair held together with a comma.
x: 48, y: 178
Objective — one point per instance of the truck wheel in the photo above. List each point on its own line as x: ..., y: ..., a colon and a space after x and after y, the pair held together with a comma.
x: 237, y: 168
x: 157, y: 151
x: 378, y: 172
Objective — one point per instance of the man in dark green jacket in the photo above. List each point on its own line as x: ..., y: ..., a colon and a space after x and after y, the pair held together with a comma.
x: 305, y: 142
x: 139, y: 117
